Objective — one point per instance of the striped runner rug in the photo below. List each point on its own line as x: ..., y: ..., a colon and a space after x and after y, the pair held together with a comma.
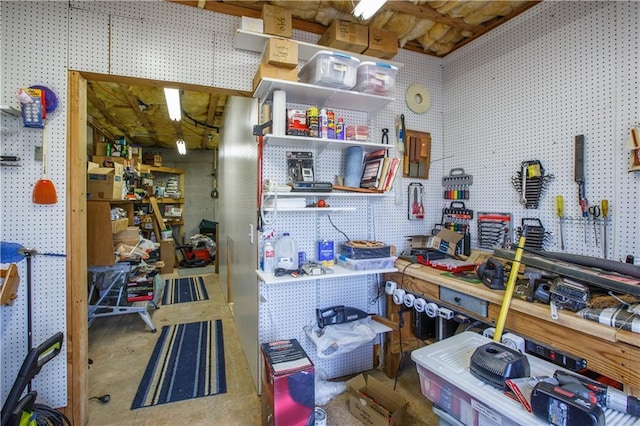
x: 187, y: 289
x: 187, y: 362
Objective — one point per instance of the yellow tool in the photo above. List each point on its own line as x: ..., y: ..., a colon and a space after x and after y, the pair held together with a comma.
x: 508, y: 293
x: 604, y: 208
x: 560, y: 212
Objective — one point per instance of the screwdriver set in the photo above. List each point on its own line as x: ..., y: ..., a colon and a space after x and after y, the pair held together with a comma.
x: 531, y: 183
x: 456, y: 185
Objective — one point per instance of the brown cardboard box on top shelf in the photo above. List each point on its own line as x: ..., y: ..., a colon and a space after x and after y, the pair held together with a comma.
x: 347, y: 36
x: 281, y: 52
x: 382, y: 44
x: 273, y: 71
x: 277, y: 21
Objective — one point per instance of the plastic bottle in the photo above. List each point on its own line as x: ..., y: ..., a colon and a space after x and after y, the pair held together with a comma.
x: 268, y: 258
x: 323, y: 123
x: 286, y: 252
x: 340, y: 129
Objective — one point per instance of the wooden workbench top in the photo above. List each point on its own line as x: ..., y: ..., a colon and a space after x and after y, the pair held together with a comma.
x: 543, y: 312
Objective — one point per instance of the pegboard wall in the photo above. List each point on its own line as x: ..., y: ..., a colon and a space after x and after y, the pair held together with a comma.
x: 518, y: 93
x: 76, y: 35
x: 524, y: 91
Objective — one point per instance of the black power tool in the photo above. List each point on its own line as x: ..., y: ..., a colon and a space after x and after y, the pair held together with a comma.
x: 338, y: 315
x: 491, y: 273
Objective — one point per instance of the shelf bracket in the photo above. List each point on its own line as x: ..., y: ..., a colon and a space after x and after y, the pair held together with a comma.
x: 258, y: 129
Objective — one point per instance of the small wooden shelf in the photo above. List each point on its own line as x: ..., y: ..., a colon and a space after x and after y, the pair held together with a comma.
x: 146, y: 168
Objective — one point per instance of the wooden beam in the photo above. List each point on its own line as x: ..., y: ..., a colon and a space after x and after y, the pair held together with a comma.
x: 211, y: 113
x: 77, y: 334
x: 103, y: 109
x: 133, y: 101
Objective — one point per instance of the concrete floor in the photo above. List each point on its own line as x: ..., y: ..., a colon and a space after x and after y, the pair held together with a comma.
x: 120, y: 347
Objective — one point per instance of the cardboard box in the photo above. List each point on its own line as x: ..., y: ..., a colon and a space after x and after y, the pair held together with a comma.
x: 104, y: 182
x: 281, y: 52
x: 288, y: 384
x: 100, y: 148
x: 375, y: 403
x: 382, y: 44
x: 444, y: 241
x: 129, y: 236
x: 119, y: 225
x: 100, y: 159
x: 277, y: 21
x: 347, y: 36
x: 167, y: 255
x: 273, y: 71
x: 152, y: 159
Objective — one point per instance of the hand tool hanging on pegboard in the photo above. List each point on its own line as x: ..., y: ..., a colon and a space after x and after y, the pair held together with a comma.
x: 578, y: 174
x: 494, y: 230
x: 531, y: 183
x: 456, y: 185
x: 537, y: 237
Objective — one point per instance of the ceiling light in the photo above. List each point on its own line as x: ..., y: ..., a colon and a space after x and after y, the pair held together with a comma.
x: 173, y: 103
x: 367, y: 8
x: 182, y: 147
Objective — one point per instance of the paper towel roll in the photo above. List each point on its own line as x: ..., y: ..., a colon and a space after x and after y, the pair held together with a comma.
x: 354, y: 166
x: 279, y: 112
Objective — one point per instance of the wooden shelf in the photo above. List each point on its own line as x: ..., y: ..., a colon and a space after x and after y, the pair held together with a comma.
x: 146, y: 168
x: 163, y: 201
x: 310, y: 94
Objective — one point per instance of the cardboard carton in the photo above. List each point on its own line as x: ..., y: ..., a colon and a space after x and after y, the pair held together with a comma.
x: 444, y: 241
x: 273, y: 71
x: 382, y: 44
x: 104, y: 182
x: 281, y: 52
x: 277, y: 21
x: 374, y: 403
x: 288, y: 387
x: 347, y: 36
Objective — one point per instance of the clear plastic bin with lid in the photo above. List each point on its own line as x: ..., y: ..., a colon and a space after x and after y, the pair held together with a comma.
x: 330, y: 69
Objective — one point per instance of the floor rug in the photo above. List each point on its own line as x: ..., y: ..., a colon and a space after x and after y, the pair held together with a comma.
x: 187, y: 362
x: 188, y: 289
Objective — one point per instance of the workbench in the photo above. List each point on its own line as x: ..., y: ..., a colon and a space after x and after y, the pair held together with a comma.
x: 608, y: 351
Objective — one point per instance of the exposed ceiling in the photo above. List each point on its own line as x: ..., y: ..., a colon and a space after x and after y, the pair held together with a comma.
x: 432, y: 27
x: 139, y: 112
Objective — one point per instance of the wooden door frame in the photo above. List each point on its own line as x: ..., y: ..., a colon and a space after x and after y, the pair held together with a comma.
x: 76, y: 230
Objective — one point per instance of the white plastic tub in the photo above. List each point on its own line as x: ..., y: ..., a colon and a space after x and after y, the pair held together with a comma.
x: 376, y: 77
x: 330, y: 69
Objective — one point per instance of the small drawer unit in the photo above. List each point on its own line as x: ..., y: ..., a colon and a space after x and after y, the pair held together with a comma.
x: 330, y: 69
x: 469, y: 303
x: 376, y: 78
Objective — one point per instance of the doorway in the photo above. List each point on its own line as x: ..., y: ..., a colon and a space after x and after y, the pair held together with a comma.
x: 77, y: 330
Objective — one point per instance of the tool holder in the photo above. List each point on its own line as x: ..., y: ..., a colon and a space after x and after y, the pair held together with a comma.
x: 536, y: 235
x: 456, y: 217
x: 494, y: 230
x: 531, y: 183
x: 457, y: 184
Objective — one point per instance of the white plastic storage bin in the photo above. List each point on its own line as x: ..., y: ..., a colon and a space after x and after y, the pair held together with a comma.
x: 366, y: 264
x: 376, y: 77
x: 330, y: 69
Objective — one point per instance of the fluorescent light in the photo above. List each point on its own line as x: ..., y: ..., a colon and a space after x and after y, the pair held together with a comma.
x: 182, y: 147
x: 173, y: 103
x: 367, y: 8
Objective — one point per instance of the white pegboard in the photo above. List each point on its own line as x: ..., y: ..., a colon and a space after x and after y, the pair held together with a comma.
x: 525, y: 90
x: 25, y: 223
